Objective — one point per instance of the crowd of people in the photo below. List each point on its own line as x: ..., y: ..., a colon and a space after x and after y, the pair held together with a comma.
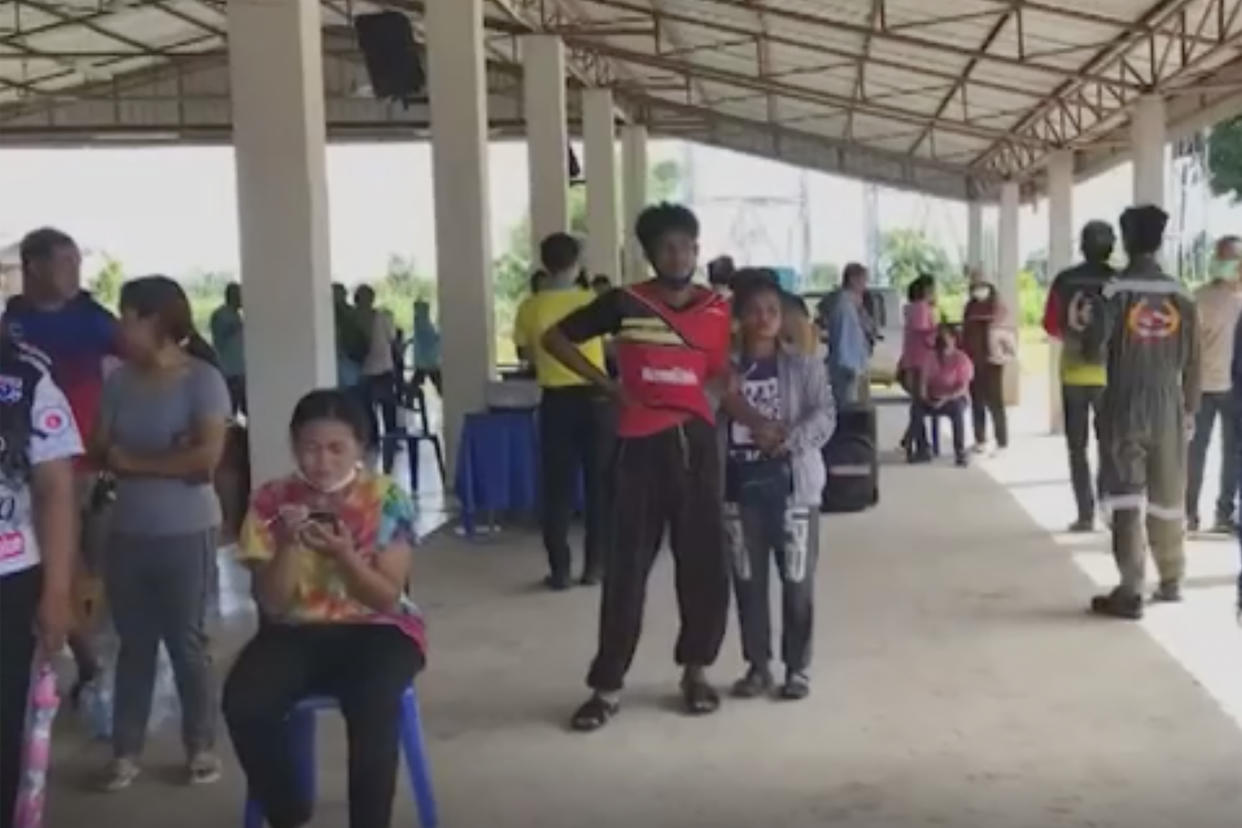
x: 111, y: 433
x: 696, y: 413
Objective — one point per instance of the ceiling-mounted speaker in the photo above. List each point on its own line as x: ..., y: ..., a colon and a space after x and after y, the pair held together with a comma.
x: 391, y: 54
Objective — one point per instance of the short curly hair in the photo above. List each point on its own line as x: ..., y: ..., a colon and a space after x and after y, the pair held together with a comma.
x: 659, y: 220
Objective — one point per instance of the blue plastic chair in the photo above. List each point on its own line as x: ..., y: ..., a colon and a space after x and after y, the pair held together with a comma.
x: 303, y: 734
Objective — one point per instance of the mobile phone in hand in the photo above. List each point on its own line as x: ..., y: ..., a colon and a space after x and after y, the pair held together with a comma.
x: 327, y: 518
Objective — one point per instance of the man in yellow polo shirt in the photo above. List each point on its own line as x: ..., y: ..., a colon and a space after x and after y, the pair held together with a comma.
x: 574, y: 416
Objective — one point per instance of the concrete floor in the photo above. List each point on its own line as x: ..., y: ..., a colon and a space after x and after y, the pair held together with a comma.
x: 957, y: 682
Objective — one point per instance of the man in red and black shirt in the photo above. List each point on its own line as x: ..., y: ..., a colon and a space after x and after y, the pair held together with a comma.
x: 672, y: 348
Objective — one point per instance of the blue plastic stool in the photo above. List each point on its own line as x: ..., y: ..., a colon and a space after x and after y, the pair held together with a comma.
x: 302, y: 719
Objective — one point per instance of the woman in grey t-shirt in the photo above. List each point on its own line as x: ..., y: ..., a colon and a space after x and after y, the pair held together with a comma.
x: 161, y: 432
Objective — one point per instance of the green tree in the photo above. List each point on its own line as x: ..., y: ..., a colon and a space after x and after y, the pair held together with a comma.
x: 1225, y: 159
x: 1037, y: 265
x: 906, y: 254
x: 664, y: 182
x: 400, y: 287
x: 106, y: 284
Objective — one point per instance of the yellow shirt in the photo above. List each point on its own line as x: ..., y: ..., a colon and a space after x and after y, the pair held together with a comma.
x: 540, y: 312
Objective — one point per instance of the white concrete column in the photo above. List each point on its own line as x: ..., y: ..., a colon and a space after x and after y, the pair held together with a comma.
x: 276, y: 73
x: 1060, y: 256
x: 458, y: 94
x: 1007, y: 270
x: 1147, y: 137
x: 547, y: 136
x: 599, y: 143
x: 634, y: 196
x: 974, y: 234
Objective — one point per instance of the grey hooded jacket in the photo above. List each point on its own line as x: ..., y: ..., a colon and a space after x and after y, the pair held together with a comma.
x: 809, y: 414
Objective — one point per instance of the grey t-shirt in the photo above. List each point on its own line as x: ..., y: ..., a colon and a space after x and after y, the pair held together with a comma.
x: 142, y: 418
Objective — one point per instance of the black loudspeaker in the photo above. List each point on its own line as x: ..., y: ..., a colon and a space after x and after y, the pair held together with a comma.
x: 387, y: 43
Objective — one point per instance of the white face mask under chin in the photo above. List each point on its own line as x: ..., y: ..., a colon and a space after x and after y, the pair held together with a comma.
x: 344, y: 482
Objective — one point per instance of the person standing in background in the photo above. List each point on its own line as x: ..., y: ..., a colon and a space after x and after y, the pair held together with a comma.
x: 983, y: 314
x: 1218, y: 304
x: 353, y: 341
x: 574, y: 426
x: 37, y: 445
x: 673, y: 358
x: 228, y: 338
x: 917, y: 346
x: 80, y: 338
x: 720, y: 272
x: 848, y: 348
x: 426, y: 347
x: 161, y: 432
x: 1151, y: 397
x: 379, y: 383
x: 1075, y: 315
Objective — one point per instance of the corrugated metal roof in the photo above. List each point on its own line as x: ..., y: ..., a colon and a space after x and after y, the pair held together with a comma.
x: 955, y: 94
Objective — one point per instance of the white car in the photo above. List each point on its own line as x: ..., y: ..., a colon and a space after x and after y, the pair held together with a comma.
x: 884, y: 306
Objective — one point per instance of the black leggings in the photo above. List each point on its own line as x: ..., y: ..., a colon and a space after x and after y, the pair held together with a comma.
x: 365, y: 667
x: 19, y: 598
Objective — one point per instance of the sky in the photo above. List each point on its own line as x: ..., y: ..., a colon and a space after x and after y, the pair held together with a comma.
x: 173, y: 209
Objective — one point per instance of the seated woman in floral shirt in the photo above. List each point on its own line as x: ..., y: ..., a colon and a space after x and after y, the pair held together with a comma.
x: 329, y: 548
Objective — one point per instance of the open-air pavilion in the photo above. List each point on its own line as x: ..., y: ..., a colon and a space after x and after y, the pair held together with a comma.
x: 959, y: 685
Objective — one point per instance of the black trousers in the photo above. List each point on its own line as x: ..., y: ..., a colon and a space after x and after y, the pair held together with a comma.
x: 379, y: 394
x: 670, y: 480
x: 1081, y: 406
x: 575, y: 435
x: 987, y: 396
x: 237, y: 393
x: 365, y: 667
x: 19, y: 598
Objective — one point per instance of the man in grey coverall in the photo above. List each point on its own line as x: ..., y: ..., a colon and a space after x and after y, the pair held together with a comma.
x: 1152, y: 395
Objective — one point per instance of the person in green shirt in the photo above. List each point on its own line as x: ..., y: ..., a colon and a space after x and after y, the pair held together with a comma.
x: 227, y: 335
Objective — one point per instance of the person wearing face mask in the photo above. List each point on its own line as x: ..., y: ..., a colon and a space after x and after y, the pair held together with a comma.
x: 945, y: 387
x: 1218, y: 303
x: 1075, y: 315
x: 672, y: 343
x: 1151, y: 397
x: 981, y: 323
x: 329, y: 549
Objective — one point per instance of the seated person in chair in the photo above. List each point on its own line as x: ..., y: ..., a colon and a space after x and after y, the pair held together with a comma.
x: 329, y: 548
x: 945, y: 377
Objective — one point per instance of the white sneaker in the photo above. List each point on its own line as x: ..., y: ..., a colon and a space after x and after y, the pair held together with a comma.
x: 121, y: 774
x: 204, y: 769
x: 980, y: 448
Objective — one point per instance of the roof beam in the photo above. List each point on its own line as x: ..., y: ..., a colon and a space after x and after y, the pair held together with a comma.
x: 89, y: 22
x: 710, y: 115
x: 874, y: 19
x: 997, y: 27
x: 804, y: 93
x: 1112, y: 55
x: 811, y: 45
x: 842, y: 24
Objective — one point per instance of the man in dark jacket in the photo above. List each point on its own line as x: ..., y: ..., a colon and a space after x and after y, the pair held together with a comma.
x: 1074, y: 316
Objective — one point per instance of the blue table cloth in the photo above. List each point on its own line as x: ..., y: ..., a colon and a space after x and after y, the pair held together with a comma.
x: 497, y: 464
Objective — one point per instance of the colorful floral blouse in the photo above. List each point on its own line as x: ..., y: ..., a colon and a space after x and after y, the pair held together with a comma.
x: 376, y: 512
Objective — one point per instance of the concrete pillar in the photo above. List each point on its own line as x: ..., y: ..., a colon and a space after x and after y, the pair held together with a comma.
x: 458, y: 94
x: 547, y: 136
x: 599, y: 143
x: 974, y: 234
x: 275, y: 67
x: 1147, y: 137
x: 1007, y: 270
x: 634, y: 196
x: 1060, y: 256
